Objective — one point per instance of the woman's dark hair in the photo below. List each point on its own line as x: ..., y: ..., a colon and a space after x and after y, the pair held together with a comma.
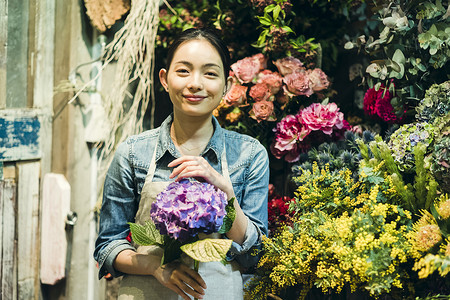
x: 201, y: 33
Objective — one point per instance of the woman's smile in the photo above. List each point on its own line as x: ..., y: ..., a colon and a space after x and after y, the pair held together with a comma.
x: 194, y: 98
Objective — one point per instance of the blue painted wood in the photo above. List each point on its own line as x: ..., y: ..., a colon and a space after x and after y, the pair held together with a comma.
x: 19, y: 137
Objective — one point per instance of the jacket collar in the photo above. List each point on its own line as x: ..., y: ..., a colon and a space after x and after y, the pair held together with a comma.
x: 165, y: 143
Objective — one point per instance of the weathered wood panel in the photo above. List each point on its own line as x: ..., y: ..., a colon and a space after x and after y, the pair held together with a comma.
x: 3, y: 50
x: 28, y: 230
x: 17, y: 54
x: 55, y: 206
x: 19, y: 135
x: 8, y: 215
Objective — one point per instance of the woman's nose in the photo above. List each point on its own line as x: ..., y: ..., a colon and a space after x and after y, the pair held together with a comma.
x: 195, y: 82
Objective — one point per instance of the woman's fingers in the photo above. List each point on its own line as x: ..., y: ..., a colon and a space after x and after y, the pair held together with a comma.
x: 183, y: 159
x: 193, y: 166
x: 197, y: 167
x: 182, y: 280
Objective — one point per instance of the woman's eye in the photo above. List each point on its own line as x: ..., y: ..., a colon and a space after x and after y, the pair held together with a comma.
x: 213, y: 74
x: 182, y: 71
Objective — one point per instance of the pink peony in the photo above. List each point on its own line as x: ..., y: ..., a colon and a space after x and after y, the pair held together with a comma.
x: 322, y: 117
x: 319, y: 79
x: 237, y: 95
x: 273, y: 80
x: 288, y: 65
x: 260, y: 92
x: 288, y: 133
x: 262, y: 110
x: 298, y: 83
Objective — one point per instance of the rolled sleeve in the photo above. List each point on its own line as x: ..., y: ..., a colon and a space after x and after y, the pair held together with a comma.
x: 106, y: 259
x: 244, y: 253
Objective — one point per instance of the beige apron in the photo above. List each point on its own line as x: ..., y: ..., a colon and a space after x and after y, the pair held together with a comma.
x: 222, y: 281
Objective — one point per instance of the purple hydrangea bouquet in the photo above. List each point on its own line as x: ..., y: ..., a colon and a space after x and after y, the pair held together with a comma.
x: 180, y: 213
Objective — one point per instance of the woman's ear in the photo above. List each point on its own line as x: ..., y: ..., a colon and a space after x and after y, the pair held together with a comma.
x: 228, y: 85
x: 163, y: 79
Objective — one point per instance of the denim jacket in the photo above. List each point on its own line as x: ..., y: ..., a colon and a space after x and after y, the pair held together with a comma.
x: 248, y: 166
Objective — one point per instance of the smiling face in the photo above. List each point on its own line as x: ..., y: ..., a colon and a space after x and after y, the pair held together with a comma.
x: 195, y: 80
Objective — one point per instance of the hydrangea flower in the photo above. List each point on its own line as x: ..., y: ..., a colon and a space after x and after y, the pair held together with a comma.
x: 186, y: 208
x: 435, y: 104
x: 403, y: 141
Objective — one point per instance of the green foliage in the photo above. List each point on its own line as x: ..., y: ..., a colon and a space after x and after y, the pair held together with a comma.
x: 208, y: 250
x: 229, y: 217
x: 146, y: 234
x: 416, y: 192
x: 410, y: 50
x: 435, y: 104
x: 440, y: 166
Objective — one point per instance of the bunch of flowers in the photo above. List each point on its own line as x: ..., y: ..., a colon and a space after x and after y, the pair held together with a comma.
x: 440, y: 166
x: 403, y: 141
x: 186, y: 208
x: 356, y: 240
x: 323, y: 121
x: 256, y: 85
x: 435, y: 104
x: 180, y: 213
x: 377, y: 104
x: 429, y: 240
x: 277, y: 210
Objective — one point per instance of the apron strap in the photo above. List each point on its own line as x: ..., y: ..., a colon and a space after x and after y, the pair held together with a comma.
x: 152, y: 168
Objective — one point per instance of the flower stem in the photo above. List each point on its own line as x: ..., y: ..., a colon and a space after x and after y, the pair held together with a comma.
x: 196, y: 263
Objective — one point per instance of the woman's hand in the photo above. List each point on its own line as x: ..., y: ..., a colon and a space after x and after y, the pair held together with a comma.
x: 181, y: 279
x: 198, y: 167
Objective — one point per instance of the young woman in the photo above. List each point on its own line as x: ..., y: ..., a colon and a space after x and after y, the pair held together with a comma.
x: 189, y: 143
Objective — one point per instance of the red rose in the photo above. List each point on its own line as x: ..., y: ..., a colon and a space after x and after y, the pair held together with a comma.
x: 288, y: 65
x: 318, y: 79
x: 237, y: 95
x: 273, y: 80
x: 262, y: 110
x: 298, y: 83
x: 247, y: 68
x: 260, y: 92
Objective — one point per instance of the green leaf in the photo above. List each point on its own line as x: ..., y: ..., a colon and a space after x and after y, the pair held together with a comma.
x: 276, y: 12
x: 349, y: 45
x: 269, y: 8
x: 399, y: 57
x: 287, y: 29
x: 265, y: 21
x: 208, y: 250
x: 145, y: 235
x: 229, y: 217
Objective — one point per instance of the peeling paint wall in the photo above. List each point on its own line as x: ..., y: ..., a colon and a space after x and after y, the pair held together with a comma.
x: 19, y: 136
